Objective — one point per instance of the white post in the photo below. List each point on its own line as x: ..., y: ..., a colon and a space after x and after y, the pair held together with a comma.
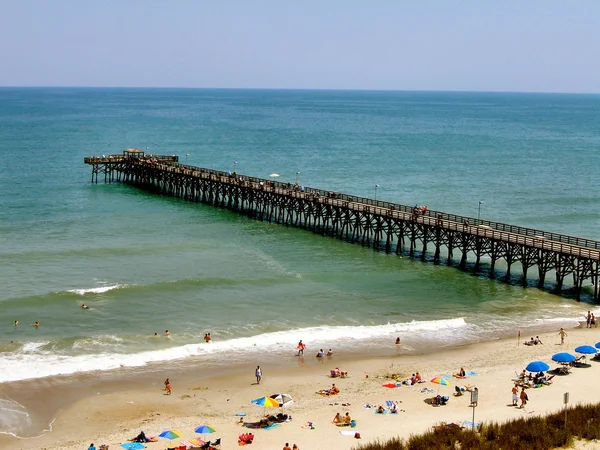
x: 479, y: 210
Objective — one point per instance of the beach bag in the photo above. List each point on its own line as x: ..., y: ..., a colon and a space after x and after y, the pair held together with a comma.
x: 357, y: 435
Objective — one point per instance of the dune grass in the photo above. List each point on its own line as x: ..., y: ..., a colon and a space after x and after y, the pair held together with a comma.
x: 527, y: 433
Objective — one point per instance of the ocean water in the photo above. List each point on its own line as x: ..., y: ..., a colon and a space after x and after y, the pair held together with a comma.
x: 145, y: 264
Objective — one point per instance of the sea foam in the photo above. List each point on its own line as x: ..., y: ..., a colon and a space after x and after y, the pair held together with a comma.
x: 34, y: 362
x: 96, y: 290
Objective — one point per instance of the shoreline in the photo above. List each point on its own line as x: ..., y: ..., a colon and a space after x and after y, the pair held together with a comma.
x: 112, y: 409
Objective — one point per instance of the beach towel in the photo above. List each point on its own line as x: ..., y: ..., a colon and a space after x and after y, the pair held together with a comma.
x: 472, y: 374
x: 426, y: 391
x: 381, y: 413
x: 390, y: 385
x: 468, y: 423
x: 240, y: 414
x: 193, y: 443
x: 270, y: 427
x: 349, y: 433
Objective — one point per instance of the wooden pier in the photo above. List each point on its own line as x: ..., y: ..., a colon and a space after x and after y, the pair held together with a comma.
x: 384, y: 226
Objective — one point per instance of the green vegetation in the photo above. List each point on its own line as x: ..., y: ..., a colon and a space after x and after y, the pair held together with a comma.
x: 528, y: 433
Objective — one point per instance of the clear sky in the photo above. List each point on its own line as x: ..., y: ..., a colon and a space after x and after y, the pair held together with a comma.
x: 478, y: 45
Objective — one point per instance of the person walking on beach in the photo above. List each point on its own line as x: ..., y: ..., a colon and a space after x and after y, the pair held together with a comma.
x: 523, y: 397
x: 515, y: 395
x: 258, y: 373
x: 168, y: 387
x: 588, y: 319
x: 286, y: 446
x: 562, y: 333
x: 592, y: 321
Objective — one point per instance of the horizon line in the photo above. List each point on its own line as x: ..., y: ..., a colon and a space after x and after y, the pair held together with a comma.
x: 294, y: 89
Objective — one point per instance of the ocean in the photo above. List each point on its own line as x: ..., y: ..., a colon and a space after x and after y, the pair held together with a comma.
x: 145, y: 264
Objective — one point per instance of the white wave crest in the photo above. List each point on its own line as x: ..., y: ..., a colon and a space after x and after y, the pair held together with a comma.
x: 35, y: 363
x: 96, y: 290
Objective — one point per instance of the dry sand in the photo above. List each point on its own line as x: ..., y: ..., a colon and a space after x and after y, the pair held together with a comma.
x: 113, y: 417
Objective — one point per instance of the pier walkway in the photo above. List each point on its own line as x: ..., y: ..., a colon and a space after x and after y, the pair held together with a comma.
x: 385, y: 226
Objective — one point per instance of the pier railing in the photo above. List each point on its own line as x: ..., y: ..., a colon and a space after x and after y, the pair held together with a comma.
x: 497, y: 230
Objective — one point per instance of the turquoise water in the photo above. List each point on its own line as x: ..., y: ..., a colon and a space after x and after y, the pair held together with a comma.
x: 145, y: 264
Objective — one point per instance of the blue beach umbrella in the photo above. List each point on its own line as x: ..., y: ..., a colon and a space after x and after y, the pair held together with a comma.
x: 170, y: 434
x: 597, y: 344
x: 204, y: 429
x: 563, y: 357
x: 537, y: 366
x: 586, y: 349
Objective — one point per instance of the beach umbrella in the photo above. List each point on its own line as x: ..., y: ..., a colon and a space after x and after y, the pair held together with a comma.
x: 537, y: 366
x: 204, y: 429
x: 597, y: 344
x: 170, y: 434
x: 442, y: 381
x: 266, y: 402
x: 563, y: 357
x: 586, y: 349
x: 283, y: 399
x: 132, y: 445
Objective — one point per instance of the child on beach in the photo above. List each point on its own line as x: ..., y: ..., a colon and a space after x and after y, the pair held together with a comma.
x: 562, y: 333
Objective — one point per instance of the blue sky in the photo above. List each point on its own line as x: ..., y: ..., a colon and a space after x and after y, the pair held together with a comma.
x: 524, y: 45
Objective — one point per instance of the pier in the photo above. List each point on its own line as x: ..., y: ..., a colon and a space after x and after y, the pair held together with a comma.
x: 466, y: 242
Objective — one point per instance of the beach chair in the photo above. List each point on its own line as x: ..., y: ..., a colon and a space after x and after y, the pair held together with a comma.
x: 217, y: 443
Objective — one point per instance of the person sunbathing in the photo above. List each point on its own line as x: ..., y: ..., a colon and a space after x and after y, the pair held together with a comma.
x: 337, y: 418
x: 394, y: 409
x: 380, y: 410
x: 332, y: 391
x: 347, y: 418
x: 461, y: 373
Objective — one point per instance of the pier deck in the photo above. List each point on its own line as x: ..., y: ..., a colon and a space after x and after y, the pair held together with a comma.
x: 382, y: 225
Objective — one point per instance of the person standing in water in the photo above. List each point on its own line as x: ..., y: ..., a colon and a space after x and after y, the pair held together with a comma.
x: 16, y: 323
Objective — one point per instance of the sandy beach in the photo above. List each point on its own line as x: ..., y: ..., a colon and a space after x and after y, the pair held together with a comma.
x: 118, y: 410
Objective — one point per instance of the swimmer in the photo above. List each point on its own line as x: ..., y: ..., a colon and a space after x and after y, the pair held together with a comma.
x: 84, y: 306
x: 167, y: 333
x: 37, y: 324
x: 16, y: 323
x: 155, y: 334
x: 398, y: 340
